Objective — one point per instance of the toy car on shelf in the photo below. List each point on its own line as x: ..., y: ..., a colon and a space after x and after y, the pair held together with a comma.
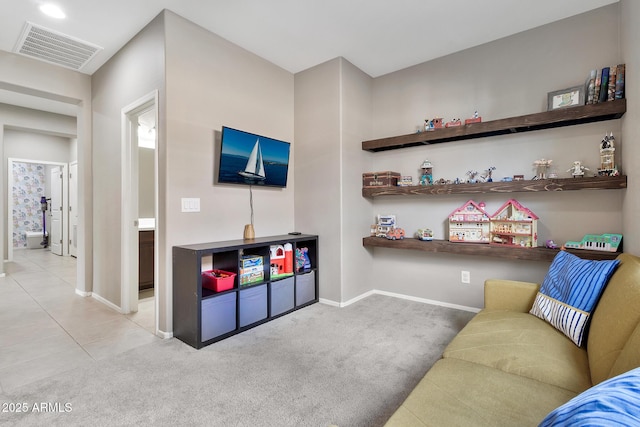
x: 395, y: 234
x: 424, y: 234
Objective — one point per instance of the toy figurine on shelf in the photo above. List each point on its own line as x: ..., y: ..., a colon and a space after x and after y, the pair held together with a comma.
x: 424, y: 234
x: 453, y: 123
x: 486, y: 176
x: 427, y: 173
x: 551, y: 244
x: 542, y: 166
x: 607, y: 156
x: 475, y: 119
x: 472, y: 177
x: 577, y: 170
x: 433, y: 124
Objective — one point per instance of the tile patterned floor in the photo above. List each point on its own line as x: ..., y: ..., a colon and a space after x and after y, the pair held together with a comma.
x: 46, y: 328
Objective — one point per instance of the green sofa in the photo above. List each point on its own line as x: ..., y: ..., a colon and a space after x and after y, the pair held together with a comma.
x: 510, y: 368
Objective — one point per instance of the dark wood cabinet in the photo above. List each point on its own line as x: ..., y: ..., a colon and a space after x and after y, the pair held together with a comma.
x: 145, y: 261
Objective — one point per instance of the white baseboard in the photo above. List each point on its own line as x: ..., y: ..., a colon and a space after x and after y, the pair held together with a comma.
x: 401, y: 296
x: 164, y: 335
x: 83, y: 293
x: 106, y: 302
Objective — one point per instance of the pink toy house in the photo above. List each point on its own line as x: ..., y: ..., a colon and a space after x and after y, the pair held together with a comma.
x: 469, y: 223
x: 514, y: 225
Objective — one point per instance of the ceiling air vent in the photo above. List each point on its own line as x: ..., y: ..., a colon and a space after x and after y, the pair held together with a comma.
x: 54, y: 47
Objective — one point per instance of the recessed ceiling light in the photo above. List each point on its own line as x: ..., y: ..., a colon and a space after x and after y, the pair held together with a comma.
x: 52, y: 10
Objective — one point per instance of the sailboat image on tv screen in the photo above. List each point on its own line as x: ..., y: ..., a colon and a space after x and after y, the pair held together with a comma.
x: 255, y: 165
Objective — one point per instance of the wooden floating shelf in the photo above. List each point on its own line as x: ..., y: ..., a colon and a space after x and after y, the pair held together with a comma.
x: 495, y: 251
x: 531, y: 122
x: 541, y: 185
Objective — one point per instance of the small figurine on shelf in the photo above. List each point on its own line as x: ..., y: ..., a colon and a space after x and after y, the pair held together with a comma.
x: 453, y: 123
x: 607, y: 156
x: 427, y: 173
x: 542, y: 166
x: 472, y: 177
x: 577, y: 170
x: 551, y: 244
x: 424, y: 234
x: 433, y: 124
x: 486, y: 176
x: 475, y: 119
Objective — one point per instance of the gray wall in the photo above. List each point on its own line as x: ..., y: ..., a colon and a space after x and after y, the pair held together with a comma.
x: 135, y: 71
x: 213, y: 83
x: 630, y: 34
x: 505, y: 78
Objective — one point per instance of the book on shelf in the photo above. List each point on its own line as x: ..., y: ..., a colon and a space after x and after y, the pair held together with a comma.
x: 611, y: 90
x: 604, y: 85
x: 620, y: 70
x: 596, y: 92
x: 591, y: 86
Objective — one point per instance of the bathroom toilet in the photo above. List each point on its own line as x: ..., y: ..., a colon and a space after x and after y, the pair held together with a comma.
x: 34, y: 238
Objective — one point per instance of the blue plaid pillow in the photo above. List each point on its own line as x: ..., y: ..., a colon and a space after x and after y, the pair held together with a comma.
x: 570, y: 292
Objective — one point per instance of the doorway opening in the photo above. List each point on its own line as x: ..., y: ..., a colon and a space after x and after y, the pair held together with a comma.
x: 139, y: 259
x: 37, y: 202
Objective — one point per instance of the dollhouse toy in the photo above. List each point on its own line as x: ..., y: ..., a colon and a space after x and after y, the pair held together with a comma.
x: 603, y: 242
x: 577, y: 170
x: 542, y: 166
x: 607, y: 156
x: 469, y: 223
x: 514, y: 225
x: 276, y: 260
x: 427, y: 173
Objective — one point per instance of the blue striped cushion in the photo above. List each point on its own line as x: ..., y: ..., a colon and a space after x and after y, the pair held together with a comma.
x: 614, y: 402
x: 570, y: 292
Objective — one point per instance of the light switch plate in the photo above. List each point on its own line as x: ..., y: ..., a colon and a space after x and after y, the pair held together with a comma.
x: 190, y: 204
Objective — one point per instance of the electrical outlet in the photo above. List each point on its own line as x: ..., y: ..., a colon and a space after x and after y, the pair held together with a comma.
x: 465, y: 276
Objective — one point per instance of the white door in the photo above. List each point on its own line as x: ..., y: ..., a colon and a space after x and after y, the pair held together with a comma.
x: 55, y: 226
x: 73, y: 209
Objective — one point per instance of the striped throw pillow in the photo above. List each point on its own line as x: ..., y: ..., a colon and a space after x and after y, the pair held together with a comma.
x: 570, y: 291
x: 614, y: 402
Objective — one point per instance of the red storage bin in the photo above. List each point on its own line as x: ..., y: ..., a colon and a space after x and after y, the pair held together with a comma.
x: 218, y: 280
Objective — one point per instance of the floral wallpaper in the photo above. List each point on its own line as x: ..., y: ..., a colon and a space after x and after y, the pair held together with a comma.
x: 28, y: 188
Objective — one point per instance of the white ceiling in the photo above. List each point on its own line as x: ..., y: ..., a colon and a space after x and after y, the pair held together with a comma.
x: 378, y: 36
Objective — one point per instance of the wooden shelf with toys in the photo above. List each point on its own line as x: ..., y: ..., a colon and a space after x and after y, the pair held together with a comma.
x: 540, y: 185
x: 490, y: 250
x: 531, y: 122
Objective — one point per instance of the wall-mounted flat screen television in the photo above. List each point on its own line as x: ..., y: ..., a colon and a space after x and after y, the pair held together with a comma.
x: 247, y: 158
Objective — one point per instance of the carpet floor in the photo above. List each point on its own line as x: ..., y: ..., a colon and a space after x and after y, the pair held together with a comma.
x: 318, y: 366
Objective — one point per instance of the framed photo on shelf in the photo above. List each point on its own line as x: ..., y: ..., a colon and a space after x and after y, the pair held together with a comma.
x: 571, y: 97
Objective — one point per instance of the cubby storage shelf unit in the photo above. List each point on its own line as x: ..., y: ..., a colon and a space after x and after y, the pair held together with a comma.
x: 531, y: 122
x: 202, y: 316
x: 480, y: 249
